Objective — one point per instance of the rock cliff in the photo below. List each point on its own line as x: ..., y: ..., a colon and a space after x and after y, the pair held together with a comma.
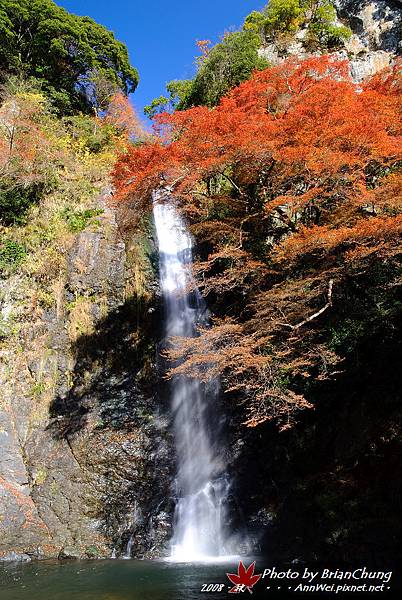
x: 85, y: 452
x: 373, y: 45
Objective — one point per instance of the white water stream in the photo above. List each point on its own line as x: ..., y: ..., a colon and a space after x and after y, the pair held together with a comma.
x: 201, y: 483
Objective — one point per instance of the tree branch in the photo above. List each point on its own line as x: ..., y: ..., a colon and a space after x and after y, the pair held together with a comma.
x: 232, y: 183
x: 240, y: 246
x: 316, y: 314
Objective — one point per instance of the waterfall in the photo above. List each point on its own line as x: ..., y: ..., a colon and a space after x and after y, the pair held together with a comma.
x: 201, y: 483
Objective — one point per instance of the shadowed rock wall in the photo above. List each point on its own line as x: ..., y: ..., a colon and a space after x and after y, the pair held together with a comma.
x: 85, y: 454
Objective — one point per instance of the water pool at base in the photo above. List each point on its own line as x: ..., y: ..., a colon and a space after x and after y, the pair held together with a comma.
x: 111, y: 580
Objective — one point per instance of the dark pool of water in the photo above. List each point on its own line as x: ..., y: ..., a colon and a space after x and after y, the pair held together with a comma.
x: 111, y: 580
x: 147, y: 580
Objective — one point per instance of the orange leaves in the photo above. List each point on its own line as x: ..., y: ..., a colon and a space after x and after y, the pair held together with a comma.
x: 138, y: 169
x: 306, y: 115
x: 291, y: 188
x: 25, y: 147
x: 293, y: 202
x: 274, y: 89
x: 385, y: 198
x: 325, y: 240
x: 226, y: 350
x: 204, y: 47
x: 122, y: 115
x: 209, y: 354
x: 236, y: 270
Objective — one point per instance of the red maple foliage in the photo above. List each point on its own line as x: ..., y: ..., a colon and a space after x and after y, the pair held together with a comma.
x: 296, y: 118
x: 293, y: 190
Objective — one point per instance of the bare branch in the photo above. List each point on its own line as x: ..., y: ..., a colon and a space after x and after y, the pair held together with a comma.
x: 316, y: 314
x: 230, y: 180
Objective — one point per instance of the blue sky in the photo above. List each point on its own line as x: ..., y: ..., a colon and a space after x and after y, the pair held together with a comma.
x: 161, y: 36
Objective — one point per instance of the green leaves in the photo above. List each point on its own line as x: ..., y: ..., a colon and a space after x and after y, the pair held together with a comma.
x: 323, y: 25
x: 11, y: 255
x: 228, y: 64
x: 283, y: 15
x: 79, y: 220
x: 158, y: 105
x: 42, y: 40
x: 287, y: 16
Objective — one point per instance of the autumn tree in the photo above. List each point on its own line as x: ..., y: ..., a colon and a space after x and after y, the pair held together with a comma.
x: 293, y: 191
x: 24, y: 154
x: 38, y: 149
x: 121, y: 114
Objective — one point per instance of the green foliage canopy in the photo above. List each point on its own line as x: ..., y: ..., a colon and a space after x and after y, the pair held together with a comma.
x: 282, y: 15
x: 70, y: 55
x: 233, y: 60
x: 228, y: 64
x: 179, y: 90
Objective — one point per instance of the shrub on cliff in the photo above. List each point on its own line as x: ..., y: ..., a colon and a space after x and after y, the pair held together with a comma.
x: 282, y: 15
x: 11, y: 255
x: 287, y: 16
x: 40, y: 152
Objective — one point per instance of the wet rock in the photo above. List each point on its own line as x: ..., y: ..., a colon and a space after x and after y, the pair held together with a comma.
x: 15, y: 557
x: 68, y: 554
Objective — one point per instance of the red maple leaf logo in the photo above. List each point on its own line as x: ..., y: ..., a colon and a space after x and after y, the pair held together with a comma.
x: 244, y: 580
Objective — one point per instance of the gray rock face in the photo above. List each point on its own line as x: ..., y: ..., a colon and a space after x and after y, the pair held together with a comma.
x: 375, y: 41
x: 376, y: 38
x: 376, y: 23
x: 85, y: 455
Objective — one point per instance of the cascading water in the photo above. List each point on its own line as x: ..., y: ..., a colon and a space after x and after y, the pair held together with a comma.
x: 202, y: 486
